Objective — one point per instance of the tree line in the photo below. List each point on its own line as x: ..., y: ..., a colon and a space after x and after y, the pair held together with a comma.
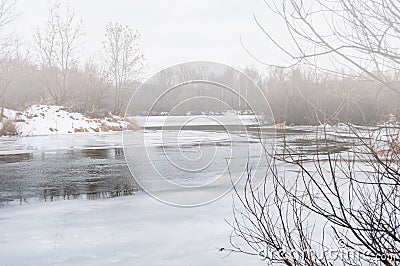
x: 54, y: 73
x: 302, y: 96
x: 296, y: 95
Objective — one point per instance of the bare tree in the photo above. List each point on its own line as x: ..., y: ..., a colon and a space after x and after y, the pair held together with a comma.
x: 331, y: 198
x: 123, y: 58
x: 57, y: 43
x: 328, y: 201
x: 94, y: 90
x: 9, y: 63
x: 8, y: 42
x: 8, y: 47
x: 340, y: 36
x: 7, y: 12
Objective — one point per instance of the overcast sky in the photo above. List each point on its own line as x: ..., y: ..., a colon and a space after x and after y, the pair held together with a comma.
x: 172, y: 31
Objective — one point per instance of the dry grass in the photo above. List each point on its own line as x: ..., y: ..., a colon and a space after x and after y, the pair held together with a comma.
x: 104, y: 127
x: 116, y: 128
x: 8, y: 128
x: 80, y: 130
x: 131, y: 124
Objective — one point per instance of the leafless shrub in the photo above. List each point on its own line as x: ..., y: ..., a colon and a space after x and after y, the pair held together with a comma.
x: 57, y: 44
x: 347, y: 201
x: 80, y: 130
x: 8, y: 128
x: 123, y: 59
x: 104, y: 127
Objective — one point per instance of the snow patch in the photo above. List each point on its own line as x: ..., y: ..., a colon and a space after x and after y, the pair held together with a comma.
x: 41, y: 120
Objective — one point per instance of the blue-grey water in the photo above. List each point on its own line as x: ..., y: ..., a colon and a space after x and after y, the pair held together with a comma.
x: 39, y: 168
x: 47, y: 168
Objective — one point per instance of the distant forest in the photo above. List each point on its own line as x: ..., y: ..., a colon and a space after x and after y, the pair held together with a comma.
x: 55, y: 74
x: 296, y: 96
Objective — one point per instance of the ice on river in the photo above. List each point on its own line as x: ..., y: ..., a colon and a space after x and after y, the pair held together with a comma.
x: 133, y: 230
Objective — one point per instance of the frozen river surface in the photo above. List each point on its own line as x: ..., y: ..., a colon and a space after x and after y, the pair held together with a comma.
x: 40, y: 226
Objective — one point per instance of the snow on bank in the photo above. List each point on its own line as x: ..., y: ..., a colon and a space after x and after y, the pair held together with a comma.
x: 133, y: 230
x: 39, y: 120
x: 43, y: 120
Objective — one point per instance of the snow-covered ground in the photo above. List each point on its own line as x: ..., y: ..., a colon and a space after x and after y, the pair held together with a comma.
x: 133, y: 230
x: 42, y: 120
x: 50, y: 120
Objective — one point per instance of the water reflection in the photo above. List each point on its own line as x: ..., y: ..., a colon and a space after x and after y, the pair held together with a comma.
x: 15, y: 158
x: 92, y: 194
x: 65, y: 175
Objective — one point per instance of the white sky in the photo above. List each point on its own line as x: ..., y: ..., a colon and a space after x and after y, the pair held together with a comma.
x: 172, y: 31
